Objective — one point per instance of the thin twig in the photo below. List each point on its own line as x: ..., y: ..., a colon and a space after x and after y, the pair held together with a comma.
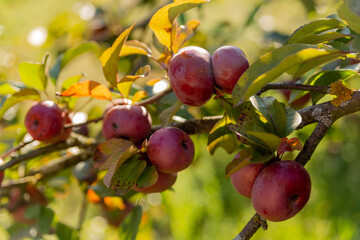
x: 80, y: 142
x: 294, y: 86
x: 17, y: 148
x: 154, y: 98
x: 70, y: 125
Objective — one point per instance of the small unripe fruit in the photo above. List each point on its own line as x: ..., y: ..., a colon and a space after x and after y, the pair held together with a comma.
x: 164, y: 182
x: 243, y: 179
x: 127, y: 121
x: 228, y: 64
x: 191, y: 75
x: 45, y: 122
x: 170, y: 150
x: 281, y: 190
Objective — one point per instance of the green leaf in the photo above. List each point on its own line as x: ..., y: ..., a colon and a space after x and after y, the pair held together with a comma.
x: 76, y: 51
x: 298, y: 58
x: 129, y: 228
x: 271, y: 141
x: 148, y: 177
x: 293, y: 120
x: 126, y: 82
x: 127, y: 174
x: 7, y: 88
x: 23, y: 94
x: 273, y: 111
x: 349, y: 10
x: 70, y: 81
x: 241, y: 130
x: 313, y: 38
x: 65, y: 232
x: 71, y: 54
x: 221, y: 136
x: 162, y: 21
x: 117, y: 159
x: 44, y: 220
x: 325, y: 78
x: 245, y: 157
x: 33, y: 74
x: 166, y: 115
x: 316, y: 26
x: 110, y: 57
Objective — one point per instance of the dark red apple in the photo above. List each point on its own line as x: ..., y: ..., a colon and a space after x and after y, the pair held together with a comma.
x: 127, y: 121
x: 170, y: 150
x: 191, y: 75
x: 281, y: 190
x: 243, y: 179
x: 164, y: 181
x: 228, y: 64
x: 45, y: 122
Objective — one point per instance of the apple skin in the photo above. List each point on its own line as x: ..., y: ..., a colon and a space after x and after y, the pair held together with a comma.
x: 170, y: 150
x: 164, y: 182
x: 45, y: 122
x: 228, y: 64
x: 127, y: 121
x: 243, y: 179
x: 191, y: 75
x: 281, y: 190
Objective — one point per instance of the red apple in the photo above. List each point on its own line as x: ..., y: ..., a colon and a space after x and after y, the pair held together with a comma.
x: 45, y: 122
x: 228, y: 64
x: 191, y: 75
x: 127, y: 121
x: 281, y: 190
x: 170, y: 150
x: 164, y: 181
x: 243, y: 179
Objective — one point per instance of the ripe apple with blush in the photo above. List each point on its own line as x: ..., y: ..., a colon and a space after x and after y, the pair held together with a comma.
x: 228, y: 64
x: 191, y: 75
x: 163, y: 182
x: 281, y: 190
x: 45, y: 122
x: 127, y: 121
x: 243, y: 179
x: 170, y: 149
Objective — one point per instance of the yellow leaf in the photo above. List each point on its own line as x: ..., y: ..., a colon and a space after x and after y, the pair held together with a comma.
x: 184, y: 33
x: 139, y: 95
x: 110, y: 57
x: 88, y: 88
x: 133, y: 47
x: 162, y: 20
x: 153, y: 81
x: 126, y: 82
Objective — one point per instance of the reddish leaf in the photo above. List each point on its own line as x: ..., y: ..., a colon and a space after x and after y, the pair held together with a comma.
x: 88, y: 88
x: 109, y: 152
x: 289, y: 145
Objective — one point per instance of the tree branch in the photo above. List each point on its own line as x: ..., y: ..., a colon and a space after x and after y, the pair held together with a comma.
x: 294, y: 86
x: 251, y: 227
x: 77, y: 141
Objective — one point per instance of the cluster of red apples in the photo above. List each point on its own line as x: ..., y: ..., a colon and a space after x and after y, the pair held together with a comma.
x: 194, y: 72
x: 279, y: 190
x: 169, y: 149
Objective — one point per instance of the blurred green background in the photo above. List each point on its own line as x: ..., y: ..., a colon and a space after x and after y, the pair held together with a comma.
x: 204, y: 204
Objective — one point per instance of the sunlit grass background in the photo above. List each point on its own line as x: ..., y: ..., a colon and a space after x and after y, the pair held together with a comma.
x: 204, y: 204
